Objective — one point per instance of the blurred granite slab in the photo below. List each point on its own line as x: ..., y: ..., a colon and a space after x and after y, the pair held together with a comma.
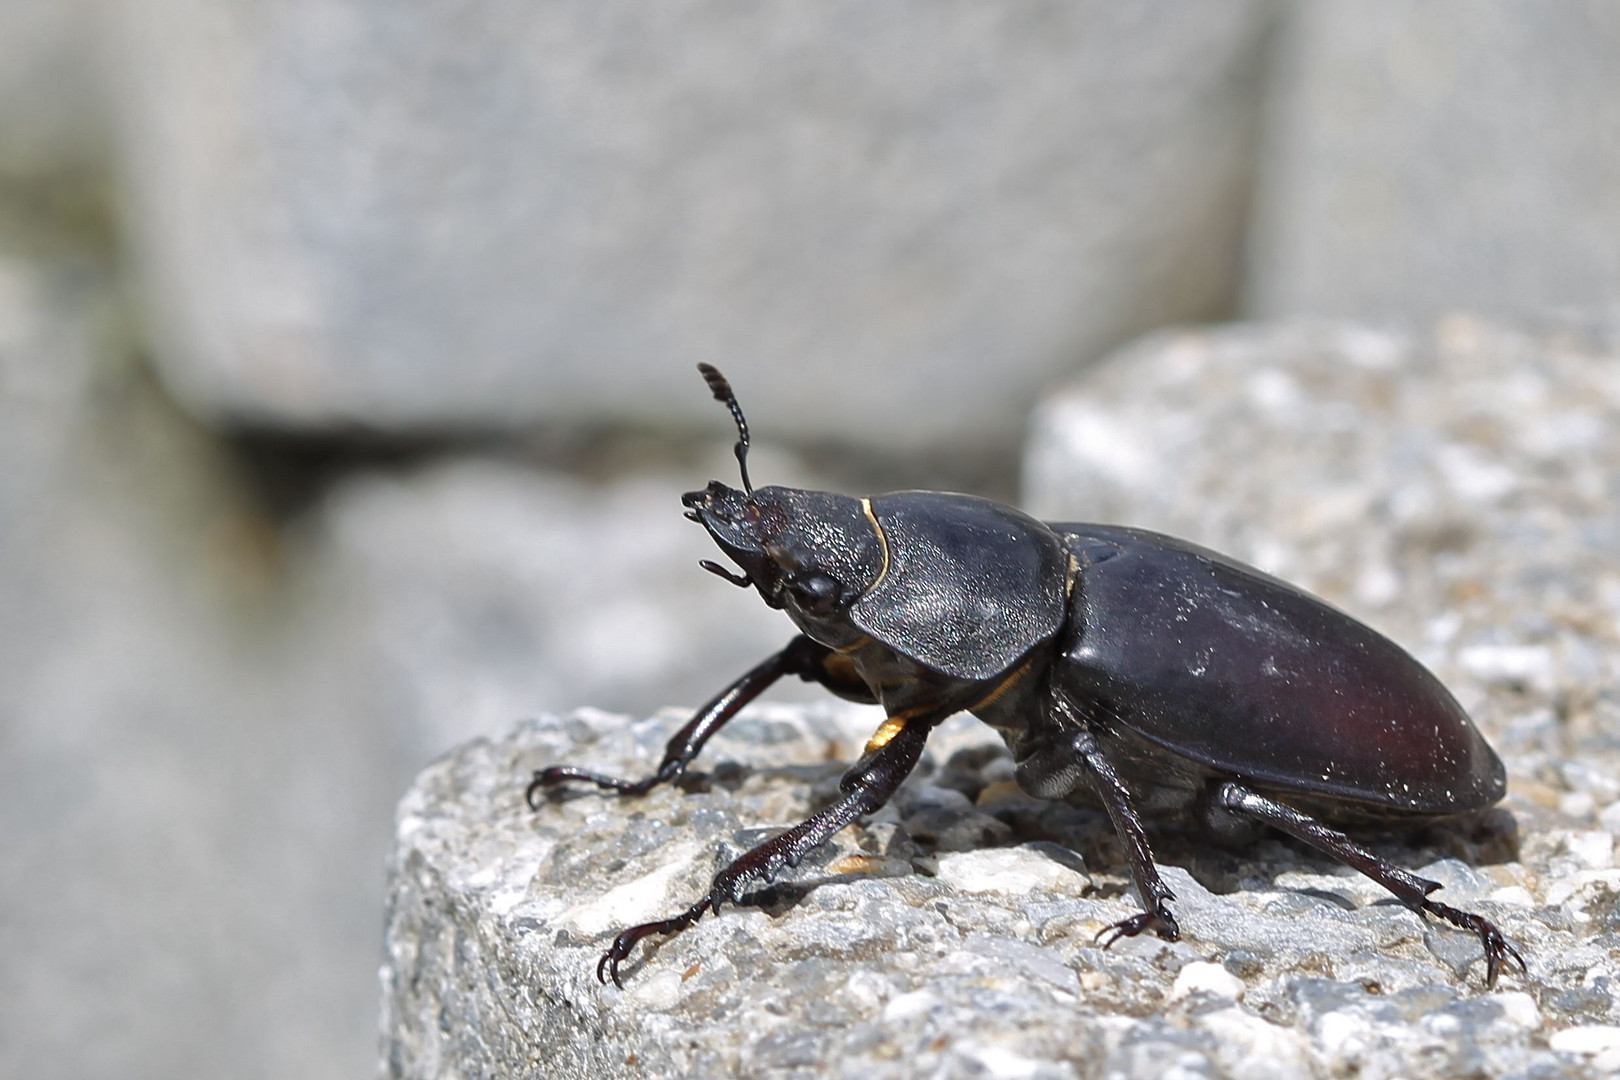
x: 1421, y: 158
x: 194, y: 781
x: 485, y: 586
x: 1456, y: 489
x: 50, y: 110
x: 485, y: 214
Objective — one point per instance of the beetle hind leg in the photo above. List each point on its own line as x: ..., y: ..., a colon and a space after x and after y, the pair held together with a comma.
x: 1409, y: 888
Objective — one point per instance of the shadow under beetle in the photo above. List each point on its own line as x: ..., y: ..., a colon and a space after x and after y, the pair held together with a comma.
x: 1167, y: 678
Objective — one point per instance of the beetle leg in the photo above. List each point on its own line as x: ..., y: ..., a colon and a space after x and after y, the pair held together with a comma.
x: 802, y: 657
x: 1409, y: 888
x: 1116, y: 797
x: 866, y: 788
x: 1054, y: 767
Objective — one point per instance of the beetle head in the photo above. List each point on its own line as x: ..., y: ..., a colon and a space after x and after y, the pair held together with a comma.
x: 962, y: 586
x: 810, y: 552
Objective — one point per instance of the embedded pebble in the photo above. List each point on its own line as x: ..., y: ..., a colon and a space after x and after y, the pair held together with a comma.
x: 643, y: 898
x: 1010, y: 871
x: 1592, y: 1039
x: 1594, y: 850
x: 1202, y: 977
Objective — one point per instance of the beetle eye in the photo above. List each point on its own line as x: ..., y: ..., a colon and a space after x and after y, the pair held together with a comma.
x: 816, y: 593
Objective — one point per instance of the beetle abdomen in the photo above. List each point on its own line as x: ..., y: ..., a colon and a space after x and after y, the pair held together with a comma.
x: 1250, y: 676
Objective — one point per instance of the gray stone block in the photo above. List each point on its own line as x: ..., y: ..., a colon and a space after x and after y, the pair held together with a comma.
x: 890, y: 224
x: 1455, y: 486
x: 51, y: 112
x: 889, y: 954
x: 195, y: 780
x: 952, y: 933
x: 1423, y: 158
x: 483, y: 590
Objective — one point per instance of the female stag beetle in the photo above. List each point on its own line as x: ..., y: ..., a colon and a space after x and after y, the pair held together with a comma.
x: 1168, y: 679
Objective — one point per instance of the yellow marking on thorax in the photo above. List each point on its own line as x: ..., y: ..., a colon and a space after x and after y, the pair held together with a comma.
x: 895, y: 724
x: 883, y: 541
x: 855, y: 646
x: 841, y: 668
x: 1002, y: 687
x: 1070, y: 576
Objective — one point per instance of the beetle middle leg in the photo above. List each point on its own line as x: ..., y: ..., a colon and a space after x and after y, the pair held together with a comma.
x: 866, y: 787
x: 1061, y: 766
x: 1409, y: 888
x: 803, y: 657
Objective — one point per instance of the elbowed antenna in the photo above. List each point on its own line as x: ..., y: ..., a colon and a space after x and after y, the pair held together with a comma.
x: 723, y: 393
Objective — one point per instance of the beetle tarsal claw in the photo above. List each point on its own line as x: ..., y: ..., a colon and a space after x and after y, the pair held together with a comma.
x: 1160, y: 921
x: 608, y: 966
x: 548, y: 779
x: 1497, y: 948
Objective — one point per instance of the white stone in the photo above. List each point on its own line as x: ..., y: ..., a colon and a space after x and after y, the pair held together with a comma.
x: 1202, y: 976
x: 1014, y: 871
x: 1005, y: 1064
x: 1519, y: 1008
x: 1531, y: 664
x: 1342, y: 1032
x: 1578, y: 890
x: 1589, y: 1039
x: 1513, y: 895
x: 917, y: 1003
x: 646, y: 897
x: 867, y: 990
x: 1253, y: 1049
x: 1594, y: 850
x: 1576, y: 804
x: 659, y: 990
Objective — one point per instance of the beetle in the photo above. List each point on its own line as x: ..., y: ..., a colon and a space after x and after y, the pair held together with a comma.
x: 1165, y: 678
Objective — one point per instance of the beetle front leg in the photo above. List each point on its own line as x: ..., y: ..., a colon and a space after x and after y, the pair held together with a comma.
x: 867, y: 786
x: 802, y: 657
x: 1409, y: 889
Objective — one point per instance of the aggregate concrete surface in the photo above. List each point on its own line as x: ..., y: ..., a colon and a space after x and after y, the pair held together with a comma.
x: 1456, y: 488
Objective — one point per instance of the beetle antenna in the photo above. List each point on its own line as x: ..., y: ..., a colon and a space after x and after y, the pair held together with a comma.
x: 723, y: 393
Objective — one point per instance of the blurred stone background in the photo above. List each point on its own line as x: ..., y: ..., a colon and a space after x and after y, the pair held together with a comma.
x: 346, y: 382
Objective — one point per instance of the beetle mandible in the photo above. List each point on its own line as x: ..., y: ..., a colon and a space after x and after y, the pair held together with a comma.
x: 1168, y: 679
